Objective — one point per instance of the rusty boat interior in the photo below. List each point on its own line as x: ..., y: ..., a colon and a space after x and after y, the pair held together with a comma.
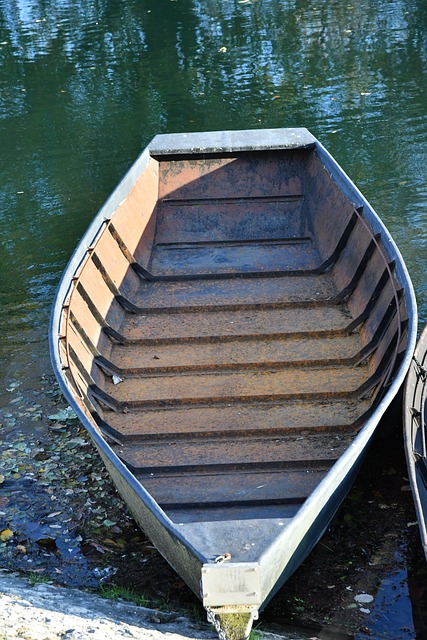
x: 230, y: 330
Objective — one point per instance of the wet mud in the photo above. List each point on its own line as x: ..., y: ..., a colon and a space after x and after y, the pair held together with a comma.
x: 62, y: 521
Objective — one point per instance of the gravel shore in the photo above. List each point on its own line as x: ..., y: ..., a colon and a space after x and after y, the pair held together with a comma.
x: 49, y: 612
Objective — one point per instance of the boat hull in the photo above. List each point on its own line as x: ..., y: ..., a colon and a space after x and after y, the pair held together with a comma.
x: 415, y: 425
x: 230, y: 331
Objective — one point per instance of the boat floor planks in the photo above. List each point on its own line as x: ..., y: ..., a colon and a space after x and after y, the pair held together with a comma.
x: 234, y: 257
x: 230, y: 331
x: 205, y: 453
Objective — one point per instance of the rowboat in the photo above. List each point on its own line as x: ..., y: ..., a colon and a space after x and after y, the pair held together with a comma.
x: 415, y: 432
x: 230, y: 331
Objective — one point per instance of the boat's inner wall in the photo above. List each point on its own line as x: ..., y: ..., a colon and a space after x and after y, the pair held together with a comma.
x: 134, y: 220
x: 92, y: 308
x: 362, y: 271
x: 232, y: 199
x: 231, y: 328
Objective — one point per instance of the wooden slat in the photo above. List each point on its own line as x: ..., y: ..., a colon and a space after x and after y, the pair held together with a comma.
x: 331, y: 209
x: 262, y: 352
x: 201, y: 452
x: 280, y: 256
x: 133, y: 219
x: 259, y: 291
x: 114, y: 263
x: 209, y: 513
x: 231, y: 219
x: 367, y: 284
x: 93, y: 283
x: 232, y: 324
x: 296, y: 415
x: 249, y: 386
x: 228, y: 488
x: 353, y: 255
x: 248, y: 175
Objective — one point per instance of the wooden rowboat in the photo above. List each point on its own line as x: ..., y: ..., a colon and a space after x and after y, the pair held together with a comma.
x: 230, y: 330
x: 415, y: 432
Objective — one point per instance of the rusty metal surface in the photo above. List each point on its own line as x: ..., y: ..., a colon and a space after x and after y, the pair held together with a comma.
x: 229, y: 325
x: 260, y: 378
x: 262, y: 351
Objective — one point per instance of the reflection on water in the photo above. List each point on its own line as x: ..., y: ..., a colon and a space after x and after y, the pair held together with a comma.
x: 86, y: 84
x: 392, y: 609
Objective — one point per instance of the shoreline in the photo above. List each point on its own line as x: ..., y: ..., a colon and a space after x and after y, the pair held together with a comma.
x: 50, y: 612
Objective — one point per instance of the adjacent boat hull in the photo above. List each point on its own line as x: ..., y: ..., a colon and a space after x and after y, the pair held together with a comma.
x: 230, y: 331
x: 415, y: 432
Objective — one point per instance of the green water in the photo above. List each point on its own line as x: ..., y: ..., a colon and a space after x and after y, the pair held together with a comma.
x: 85, y: 84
